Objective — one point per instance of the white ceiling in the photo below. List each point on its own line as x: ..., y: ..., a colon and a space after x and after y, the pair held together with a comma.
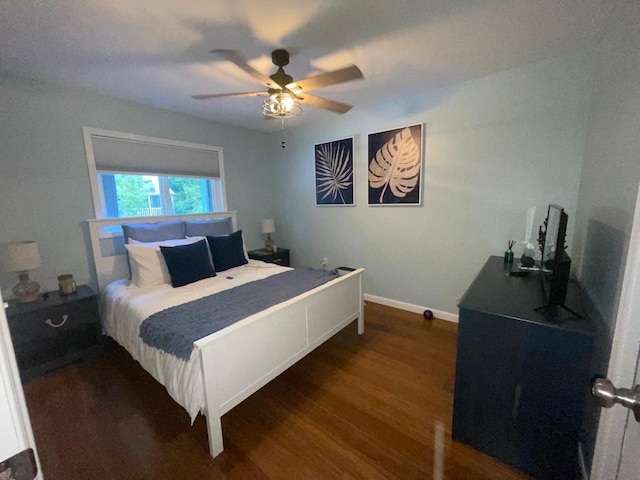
x: 156, y: 52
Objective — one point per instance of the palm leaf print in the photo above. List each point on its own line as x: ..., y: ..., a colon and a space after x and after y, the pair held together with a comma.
x: 334, y: 172
x: 396, y: 165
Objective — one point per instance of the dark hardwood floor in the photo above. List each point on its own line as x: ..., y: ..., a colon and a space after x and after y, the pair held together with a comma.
x: 371, y: 406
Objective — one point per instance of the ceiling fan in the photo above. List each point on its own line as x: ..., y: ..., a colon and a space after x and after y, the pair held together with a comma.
x: 284, y: 95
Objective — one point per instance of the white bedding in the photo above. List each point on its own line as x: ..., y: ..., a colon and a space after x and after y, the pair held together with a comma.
x: 124, y: 308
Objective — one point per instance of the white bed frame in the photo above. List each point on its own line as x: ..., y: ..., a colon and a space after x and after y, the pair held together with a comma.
x: 242, y: 358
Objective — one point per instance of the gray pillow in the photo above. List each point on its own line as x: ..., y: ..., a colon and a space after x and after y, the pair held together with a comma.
x: 202, y: 228
x: 153, y: 232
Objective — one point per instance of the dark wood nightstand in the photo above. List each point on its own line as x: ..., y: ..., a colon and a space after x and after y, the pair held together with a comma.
x: 54, y: 330
x: 280, y: 256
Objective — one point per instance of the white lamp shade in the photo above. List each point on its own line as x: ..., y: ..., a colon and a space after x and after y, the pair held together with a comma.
x: 19, y: 256
x: 268, y: 226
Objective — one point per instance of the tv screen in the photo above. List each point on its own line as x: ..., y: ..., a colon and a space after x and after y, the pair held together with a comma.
x: 554, y: 257
x: 554, y: 243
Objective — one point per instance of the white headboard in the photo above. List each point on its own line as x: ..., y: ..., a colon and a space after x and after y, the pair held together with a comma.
x: 111, y: 266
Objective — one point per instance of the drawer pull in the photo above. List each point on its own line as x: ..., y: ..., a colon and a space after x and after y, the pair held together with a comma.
x: 49, y: 322
x: 277, y: 260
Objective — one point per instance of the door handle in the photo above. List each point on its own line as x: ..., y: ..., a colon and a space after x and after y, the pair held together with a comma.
x: 607, y: 395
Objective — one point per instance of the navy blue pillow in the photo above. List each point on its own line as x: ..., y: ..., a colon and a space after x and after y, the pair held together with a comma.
x: 227, y: 251
x: 188, y: 263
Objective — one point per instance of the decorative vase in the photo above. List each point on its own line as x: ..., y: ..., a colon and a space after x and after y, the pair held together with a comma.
x: 508, y: 256
x: 269, y: 244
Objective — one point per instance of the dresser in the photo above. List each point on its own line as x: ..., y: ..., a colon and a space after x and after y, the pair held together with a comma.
x: 54, y: 331
x: 522, y: 377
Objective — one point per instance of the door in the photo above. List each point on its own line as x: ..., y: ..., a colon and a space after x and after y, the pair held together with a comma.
x: 15, y: 426
x: 616, y: 455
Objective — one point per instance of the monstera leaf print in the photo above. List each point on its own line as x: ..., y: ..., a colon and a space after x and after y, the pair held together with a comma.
x: 396, y: 165
x: 334, y: 172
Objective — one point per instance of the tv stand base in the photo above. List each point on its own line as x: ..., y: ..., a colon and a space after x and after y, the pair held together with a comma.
x: 576, y: 315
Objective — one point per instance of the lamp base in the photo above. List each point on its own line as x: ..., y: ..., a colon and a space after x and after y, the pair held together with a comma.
x: 26, y: 290
x: 269, y: 244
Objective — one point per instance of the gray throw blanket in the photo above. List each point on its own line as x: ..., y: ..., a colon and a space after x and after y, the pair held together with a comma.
x: 175, y: 329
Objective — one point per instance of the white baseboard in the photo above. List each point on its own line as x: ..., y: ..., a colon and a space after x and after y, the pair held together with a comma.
x: 450, y: 317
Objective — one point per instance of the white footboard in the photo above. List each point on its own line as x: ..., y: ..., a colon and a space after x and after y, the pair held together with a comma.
x: 244, y: 357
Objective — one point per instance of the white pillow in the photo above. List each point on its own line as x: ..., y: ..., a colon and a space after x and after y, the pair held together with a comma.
x: 244, y: 248
x: 148, y: 267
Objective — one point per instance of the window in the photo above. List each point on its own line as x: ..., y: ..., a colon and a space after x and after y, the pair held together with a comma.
x: 133, y: 176
x: 136, y: 195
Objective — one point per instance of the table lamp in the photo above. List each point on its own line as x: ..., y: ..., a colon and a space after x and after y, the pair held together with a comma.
x: 269, y: 227
x: 21, y: 257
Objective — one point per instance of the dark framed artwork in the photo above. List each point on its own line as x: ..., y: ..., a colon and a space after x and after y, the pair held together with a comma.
x: 334, y: 172
x: 395, y: 166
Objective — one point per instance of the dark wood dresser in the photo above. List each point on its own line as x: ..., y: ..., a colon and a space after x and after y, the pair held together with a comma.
x: 522, y: 377
x: 54, y: 331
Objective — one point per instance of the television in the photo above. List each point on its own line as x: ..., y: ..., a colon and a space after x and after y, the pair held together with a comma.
x: 555, y: 263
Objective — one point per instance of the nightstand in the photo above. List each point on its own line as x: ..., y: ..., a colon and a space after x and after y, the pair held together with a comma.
x: 280, y: 256
x: 54, y: 330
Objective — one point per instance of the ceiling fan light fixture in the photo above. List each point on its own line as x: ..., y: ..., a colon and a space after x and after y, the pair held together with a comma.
x: 281, y: 105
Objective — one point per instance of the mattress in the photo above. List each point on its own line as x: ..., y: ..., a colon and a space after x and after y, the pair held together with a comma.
x: 124, y: 308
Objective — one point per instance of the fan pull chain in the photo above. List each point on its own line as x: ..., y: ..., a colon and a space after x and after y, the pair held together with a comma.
x: 283, y: 143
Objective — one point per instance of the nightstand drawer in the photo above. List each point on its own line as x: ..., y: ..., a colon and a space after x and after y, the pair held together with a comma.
x: 54, y: 330
x: 280, y: 256
x: 63, y: 348
x: 52, y: 322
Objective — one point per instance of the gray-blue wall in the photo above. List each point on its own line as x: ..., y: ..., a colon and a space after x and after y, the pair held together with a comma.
x: 609, y: 187
x: 493, y: 147
x: 44, y: 182
x: 611, y: 168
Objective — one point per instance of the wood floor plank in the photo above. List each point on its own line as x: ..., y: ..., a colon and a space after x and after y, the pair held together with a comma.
x: 358, y: 407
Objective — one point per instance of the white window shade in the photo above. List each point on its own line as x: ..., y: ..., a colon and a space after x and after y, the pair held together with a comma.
x: 125, y: 155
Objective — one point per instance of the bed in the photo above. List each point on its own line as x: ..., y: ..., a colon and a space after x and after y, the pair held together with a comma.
x: 229, y: 365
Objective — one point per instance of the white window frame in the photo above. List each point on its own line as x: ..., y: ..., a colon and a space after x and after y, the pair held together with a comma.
x: 99, y: 204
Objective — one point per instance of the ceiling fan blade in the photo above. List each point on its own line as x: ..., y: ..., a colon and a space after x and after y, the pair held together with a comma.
x: 325, y: 103
x: 238, y: 59
x: 325, y: 79
x: 229, y: 95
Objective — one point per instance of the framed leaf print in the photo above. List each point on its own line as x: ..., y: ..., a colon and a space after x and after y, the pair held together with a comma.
x: 395, y: 166
x: 334, y: 172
